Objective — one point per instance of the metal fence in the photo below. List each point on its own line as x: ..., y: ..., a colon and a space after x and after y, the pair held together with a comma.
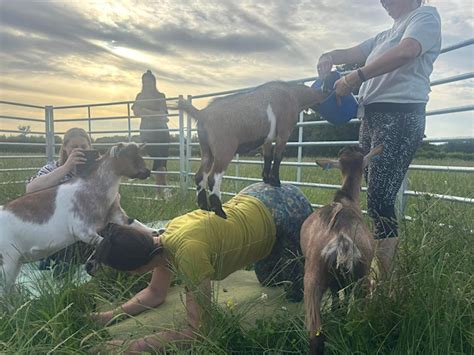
x: 57, y: 115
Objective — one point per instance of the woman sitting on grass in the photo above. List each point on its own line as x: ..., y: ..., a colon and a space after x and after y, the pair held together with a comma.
x: 263, y: 226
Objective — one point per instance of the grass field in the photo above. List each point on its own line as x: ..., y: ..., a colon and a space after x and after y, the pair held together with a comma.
x: 426, y: 307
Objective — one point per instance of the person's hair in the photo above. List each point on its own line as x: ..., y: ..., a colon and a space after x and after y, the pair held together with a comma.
x: 124, y: 248
x: 71, y: 134
x: 148, y: 76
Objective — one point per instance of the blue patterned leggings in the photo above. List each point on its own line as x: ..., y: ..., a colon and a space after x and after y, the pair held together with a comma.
x: 401, y: 133
x: 284, y: 265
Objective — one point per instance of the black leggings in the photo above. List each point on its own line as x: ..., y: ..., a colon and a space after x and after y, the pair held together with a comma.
x: 401, y: 133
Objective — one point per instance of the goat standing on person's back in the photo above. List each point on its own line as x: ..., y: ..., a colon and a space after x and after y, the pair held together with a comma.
x: 241, y: 122
x: 40, y: 223
x: 336, y: 242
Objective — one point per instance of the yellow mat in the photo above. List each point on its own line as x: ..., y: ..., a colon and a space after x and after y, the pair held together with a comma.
x: 240, y: 291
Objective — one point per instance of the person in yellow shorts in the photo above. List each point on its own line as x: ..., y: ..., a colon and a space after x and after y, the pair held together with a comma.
x: 262, y: 227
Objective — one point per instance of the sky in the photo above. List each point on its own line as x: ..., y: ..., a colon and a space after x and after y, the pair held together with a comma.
x: 78, y: 52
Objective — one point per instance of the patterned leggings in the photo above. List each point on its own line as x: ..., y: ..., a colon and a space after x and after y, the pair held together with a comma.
x: 289, y: 208
x: 401, y: 133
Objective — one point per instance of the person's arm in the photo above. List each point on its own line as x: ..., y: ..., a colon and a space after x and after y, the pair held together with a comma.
x: 421, y: 34
x: 197, y: 302
x: 151, y: 297
x: 353, y: 55
x: 54, y: 178
x: 403, y: 53
x: 140, y: 111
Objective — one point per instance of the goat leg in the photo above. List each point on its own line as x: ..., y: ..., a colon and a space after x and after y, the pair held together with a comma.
x: 202, y: 199
x: 277, y: 157
x: 316, y: 345
x: 214, y: 183
x: 274, y: 179
x: 216, y: 206
x: 267, y: 159
x: 8, y: 274
x: 201, y: 190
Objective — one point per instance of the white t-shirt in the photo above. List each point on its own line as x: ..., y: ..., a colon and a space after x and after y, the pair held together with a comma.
x: 410, y: 83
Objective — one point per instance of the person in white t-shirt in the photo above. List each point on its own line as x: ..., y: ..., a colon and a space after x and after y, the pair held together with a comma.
x: 393, y: 84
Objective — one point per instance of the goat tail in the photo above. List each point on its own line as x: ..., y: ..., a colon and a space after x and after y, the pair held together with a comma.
x: 341, y: 254
x: 190, y: 109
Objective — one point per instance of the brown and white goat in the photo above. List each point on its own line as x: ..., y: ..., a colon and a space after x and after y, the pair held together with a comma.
x: 336, y: 243
x: 38, y: 224
x: 241, y: 122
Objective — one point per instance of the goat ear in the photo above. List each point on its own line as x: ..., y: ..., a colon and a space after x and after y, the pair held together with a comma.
x: 116, y: 149
x: 141, y: 148
x: 327, y: 164
x: 373, y: 153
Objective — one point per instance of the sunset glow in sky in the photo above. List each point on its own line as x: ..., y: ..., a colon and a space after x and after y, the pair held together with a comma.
x: 77, y: 52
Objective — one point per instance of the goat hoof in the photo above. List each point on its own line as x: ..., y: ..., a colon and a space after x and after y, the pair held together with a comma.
x: 316, y: 345
x: 221, y: 213
x: 202, y: 200
x: 274, y: 182
x: 216, y: 206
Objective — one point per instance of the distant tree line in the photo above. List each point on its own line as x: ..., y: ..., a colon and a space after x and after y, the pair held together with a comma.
x: 455, y: 150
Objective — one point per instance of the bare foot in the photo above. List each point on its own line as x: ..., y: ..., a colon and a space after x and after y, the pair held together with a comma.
x: 102, y: 318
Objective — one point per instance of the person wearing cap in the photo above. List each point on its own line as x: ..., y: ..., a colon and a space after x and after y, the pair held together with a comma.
x: 393, y: 84
x: 150, y: 105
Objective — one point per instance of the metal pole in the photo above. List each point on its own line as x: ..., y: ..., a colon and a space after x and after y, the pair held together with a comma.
x: 182, y: 153
x: 189, y: 147
x: 89, y: 122
x: 129, y: 123
x: 49, y: 132
x: 300, y: 148
x: 401, y: 200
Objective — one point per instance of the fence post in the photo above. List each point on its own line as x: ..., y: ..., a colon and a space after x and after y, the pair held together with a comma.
x: 300, y: 148
x: 182, y: 155
x: 129, y: 123
x: 89, y: 123
x: 401, y: 200
x: 189, y: 147
x: 49, y: 132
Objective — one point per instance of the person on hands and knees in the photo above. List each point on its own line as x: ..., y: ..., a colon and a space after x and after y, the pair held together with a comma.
x: 262, y: 227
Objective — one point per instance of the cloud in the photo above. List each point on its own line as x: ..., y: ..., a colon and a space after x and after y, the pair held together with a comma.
x: 97, y: 50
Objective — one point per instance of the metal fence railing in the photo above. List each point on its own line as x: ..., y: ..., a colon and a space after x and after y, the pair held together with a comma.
x: 54, y: 116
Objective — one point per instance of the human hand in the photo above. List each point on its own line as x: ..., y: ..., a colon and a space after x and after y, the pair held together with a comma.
x: 345, y: 85
x: 324, y: 65
x: 75, y: 157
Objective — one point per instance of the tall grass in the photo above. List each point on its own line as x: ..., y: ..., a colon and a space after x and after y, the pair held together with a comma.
x: 425, y: 307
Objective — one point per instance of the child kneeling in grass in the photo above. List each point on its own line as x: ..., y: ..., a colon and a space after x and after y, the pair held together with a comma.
x: 262, y: 227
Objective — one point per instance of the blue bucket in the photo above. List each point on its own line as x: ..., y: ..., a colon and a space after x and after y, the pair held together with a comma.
x: 329, y: 109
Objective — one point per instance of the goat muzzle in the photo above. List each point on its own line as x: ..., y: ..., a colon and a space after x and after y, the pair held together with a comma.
x: 143, y: 174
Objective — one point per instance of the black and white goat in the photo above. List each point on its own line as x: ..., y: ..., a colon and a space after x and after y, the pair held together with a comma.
x: 241, y: 122
x: 336, y: 243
